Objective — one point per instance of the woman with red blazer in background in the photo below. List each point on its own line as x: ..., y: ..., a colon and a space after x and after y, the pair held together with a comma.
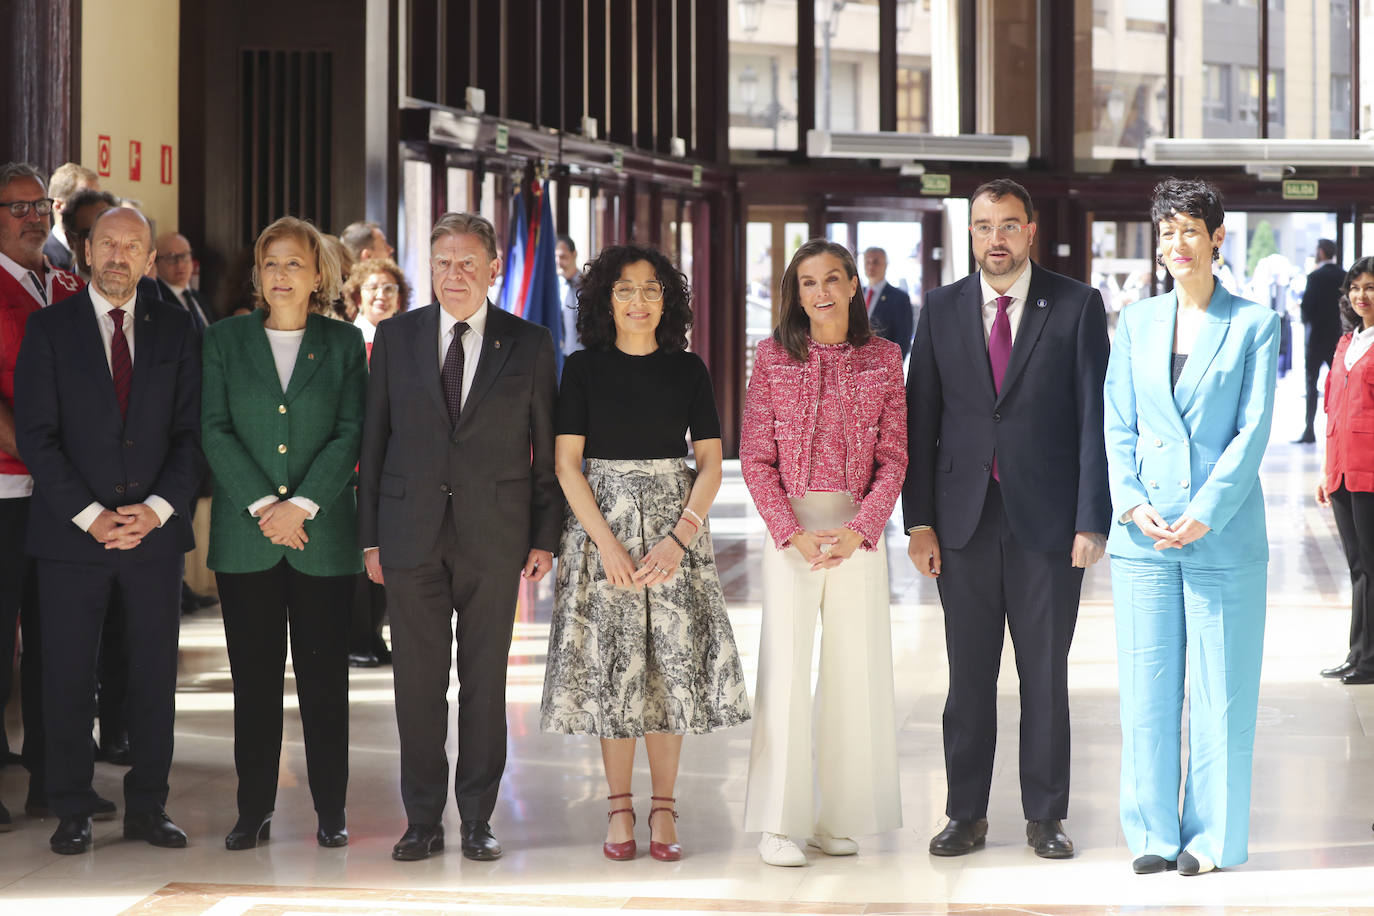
x: 1347, y: 480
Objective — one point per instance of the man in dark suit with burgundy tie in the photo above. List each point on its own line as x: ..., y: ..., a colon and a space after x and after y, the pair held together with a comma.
x: 174, y: 268
x: 1006, y: 503
x: 889, y: 308
x: 457, y: 499
x: 107, y: 418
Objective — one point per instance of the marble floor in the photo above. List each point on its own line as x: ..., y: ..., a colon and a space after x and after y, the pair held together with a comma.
x: 1312, y: 850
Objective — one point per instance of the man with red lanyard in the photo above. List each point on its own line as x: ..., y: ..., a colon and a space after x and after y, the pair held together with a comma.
x: 27, y: 284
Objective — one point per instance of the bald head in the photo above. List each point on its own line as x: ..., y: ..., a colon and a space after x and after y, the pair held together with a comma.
x: 119, y: 249
x: 174, y: 259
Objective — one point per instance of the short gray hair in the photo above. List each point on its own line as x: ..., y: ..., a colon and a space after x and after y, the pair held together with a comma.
x: 874, y: 248
x: 466, y: 224
x: 11, y: 171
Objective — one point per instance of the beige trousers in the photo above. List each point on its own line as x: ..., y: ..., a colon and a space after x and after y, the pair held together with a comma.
x: 852, y: 788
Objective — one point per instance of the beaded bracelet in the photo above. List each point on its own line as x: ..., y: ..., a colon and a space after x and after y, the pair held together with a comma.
x: 677, y: 541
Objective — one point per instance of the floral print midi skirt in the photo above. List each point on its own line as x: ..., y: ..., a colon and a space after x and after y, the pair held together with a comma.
x: 625, y: 662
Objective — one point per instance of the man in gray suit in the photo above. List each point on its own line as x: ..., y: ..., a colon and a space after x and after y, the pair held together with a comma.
x: 457, y: 499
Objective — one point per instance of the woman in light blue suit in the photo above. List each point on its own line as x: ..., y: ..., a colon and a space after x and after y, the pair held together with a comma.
x: 1189, y: 399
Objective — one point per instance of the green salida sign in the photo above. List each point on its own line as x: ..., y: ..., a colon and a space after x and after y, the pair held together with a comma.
x: 935, y: 185
x: 1299, y: 189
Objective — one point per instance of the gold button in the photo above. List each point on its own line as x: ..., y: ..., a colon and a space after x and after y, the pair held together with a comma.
x: 281, y: 490
x: 281, y: 408
x: 281, y: 449
x: 1183, y: 483
x: 1158, y: 443
x: 1154, y: 485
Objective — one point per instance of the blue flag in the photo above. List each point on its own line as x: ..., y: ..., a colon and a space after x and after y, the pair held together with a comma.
x: 512, y: 298
x: 542, y: 304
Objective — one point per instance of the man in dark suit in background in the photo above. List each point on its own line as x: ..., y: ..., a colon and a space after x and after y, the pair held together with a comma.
x: 107, y: 417
x: 174, y: 269
x: 457, y: 498
x: 1321, y: 313
x: 1006, y: 503
x: 66, y: 181
x: 889, y: 308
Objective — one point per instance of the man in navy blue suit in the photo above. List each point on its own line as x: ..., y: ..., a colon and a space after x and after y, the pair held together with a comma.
x: 107, y: 417
x: 1006, y: 503
x: 889, y: 308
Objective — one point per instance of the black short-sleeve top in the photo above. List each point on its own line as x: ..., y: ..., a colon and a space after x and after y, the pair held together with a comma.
x: 636, y: 407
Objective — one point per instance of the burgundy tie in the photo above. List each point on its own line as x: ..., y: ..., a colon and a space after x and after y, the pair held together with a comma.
x: 868, y: 297
x: 999, y: 352
x: 121, y: 366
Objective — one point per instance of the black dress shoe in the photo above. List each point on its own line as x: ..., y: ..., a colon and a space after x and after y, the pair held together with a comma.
x: 1340, y: 670
x: 1359, y: 677
x: 248, y: 831
x: 1048, y: 839
x: 331, y: 831
x: 478, y: 842
x: 418, y: 843
x: 1152, y: 865
x: 6, y: 822
x: 155, y: 827
x: 115, y: 751
x: 362, y: 660
x: 1307, y: 438
x: 72, y: 837
x: 959, y: 837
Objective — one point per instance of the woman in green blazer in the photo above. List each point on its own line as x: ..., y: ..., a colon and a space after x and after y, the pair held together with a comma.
x: 282, y: 418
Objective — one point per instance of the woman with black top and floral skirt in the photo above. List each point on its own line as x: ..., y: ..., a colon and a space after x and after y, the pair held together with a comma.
x: 640, y: 643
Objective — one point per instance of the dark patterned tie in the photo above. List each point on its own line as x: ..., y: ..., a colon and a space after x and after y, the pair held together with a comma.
x: 999, y: 353
x: 190, y: 304
x: 38, y: 285
x: 452, y: 374
x: 121, y: 366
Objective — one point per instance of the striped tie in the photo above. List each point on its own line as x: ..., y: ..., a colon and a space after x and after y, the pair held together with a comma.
x: 121, y: 366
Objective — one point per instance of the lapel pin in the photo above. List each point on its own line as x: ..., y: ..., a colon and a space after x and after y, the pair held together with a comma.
x: 1040, y: 303
x: 497, y: 345
x: 310, y: 356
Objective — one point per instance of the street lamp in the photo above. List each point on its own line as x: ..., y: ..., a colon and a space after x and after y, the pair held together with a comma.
x: 828, y: 15
x: 750, y: 12
x: 906, y: 11
x: 827, y: 23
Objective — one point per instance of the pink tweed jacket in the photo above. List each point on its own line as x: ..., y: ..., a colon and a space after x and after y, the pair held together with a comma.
x: 779, y: 428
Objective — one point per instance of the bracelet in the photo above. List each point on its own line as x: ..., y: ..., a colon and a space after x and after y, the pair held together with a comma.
x: 686, y: 510
x: 915, y: 528
x: 677, y: 541
x: 683, y: 518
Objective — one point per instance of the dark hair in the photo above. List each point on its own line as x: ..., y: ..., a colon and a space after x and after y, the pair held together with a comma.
x: 1350, y: 319
x: 80, y: 201
x: 1327, y: 248
x: 794, y: 328
x: 566, y: 240
x: 1001, y: 187
x: 1363, y: 265
x: 595, y: 319
x: 1187, y: 197
x: 357, y: 236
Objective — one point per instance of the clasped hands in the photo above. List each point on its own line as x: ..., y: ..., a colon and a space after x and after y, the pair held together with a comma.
x: 123, y: 528
x: 283, y: 523
x: 827, y: 548
x: 1182, y: 532
x: 658, y: 566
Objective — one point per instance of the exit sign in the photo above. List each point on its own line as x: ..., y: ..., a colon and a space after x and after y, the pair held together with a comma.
x: 1299, y: 189
x: 935, y: 184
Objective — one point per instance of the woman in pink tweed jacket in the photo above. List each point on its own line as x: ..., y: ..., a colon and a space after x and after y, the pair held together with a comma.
x: 823, y: 452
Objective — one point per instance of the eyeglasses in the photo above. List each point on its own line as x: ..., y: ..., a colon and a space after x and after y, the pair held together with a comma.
x: 386, y: 289
x: 442, y: 266
x: 624, y: 292
x: 181, y: 258
x: 984, y: 231
x: 20, y: 208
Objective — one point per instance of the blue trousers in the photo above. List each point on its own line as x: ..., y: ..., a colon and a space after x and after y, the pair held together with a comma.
x: 1172, y: 613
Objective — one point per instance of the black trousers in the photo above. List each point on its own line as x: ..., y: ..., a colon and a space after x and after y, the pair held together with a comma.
x: 19, y: 614
x: 991, y: 584
x: 74, y: 598
x: 259, y: 608
x: 1355, y: 522
x: 112, y: 692
x: 1321, y: 349
x: 369, y: 609
x: 422, y: 603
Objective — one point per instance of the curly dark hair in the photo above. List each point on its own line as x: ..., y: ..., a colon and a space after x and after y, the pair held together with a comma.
x: 1351, y: 317
x: 1187, y: 197
x: 794, y: 327
x: 595, y: 319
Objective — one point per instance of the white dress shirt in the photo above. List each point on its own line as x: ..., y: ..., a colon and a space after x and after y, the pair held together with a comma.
x: 472, y: 342
x: 1359, y: 346
x: 367, y: 327
x: 187, y: 302
x: 163, y: 509
x: 286, y: 346
x: 1017, y: 291
x: 877, y: 290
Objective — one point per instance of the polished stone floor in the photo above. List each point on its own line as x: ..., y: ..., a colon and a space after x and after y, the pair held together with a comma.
x: 1312, y: 850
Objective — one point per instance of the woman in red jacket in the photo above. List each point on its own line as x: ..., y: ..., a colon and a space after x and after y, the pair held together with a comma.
x: 1347, y: 481
x: 823, y: 452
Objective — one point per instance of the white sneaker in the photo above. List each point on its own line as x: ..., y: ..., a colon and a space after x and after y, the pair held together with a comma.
x: 1194, y: 863
x: 833, y: 845
x: 777, y: 849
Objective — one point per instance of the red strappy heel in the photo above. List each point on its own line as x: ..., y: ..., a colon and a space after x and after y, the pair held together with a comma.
x: 664, y: 852
x: 619, y: 852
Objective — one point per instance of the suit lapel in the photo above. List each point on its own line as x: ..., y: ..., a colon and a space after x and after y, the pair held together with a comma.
x: 969, y: 317
x: 1156, y: 355
x: 425, y: 352
x: 87, y: 336
x: 1033, y: 319
x: 496, y: 346
x: 259, y: 351
x: 1209, y: 340
x: 147, y: 330
x: 314, y: 350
